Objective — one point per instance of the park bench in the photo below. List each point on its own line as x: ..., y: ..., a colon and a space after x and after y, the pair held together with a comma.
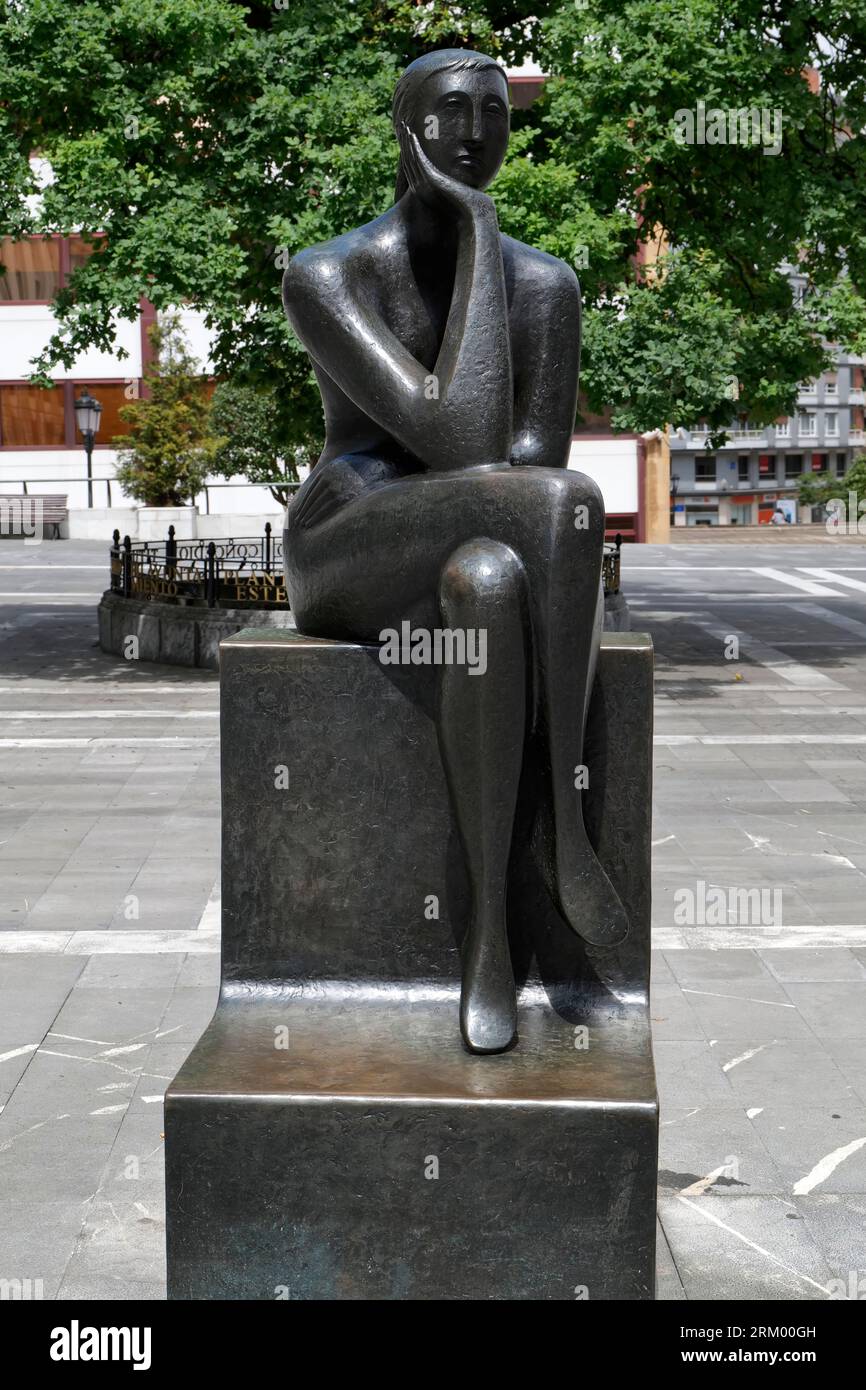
x: 21, y: 513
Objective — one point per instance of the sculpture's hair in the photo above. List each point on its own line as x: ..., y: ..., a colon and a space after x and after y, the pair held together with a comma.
x: 408, y: 89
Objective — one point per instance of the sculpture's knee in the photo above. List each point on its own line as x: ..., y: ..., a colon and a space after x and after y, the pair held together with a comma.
x: 481, y: 573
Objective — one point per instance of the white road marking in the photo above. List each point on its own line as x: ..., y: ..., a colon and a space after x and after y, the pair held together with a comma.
x: 7, y: 1144
x: 755, y: 1110
x: 840, y: 620
x: 18, y: 1052
x: 739, y: 597
x: 201, y: 940
x: 759, y: 1249
x: 72, y: 1037
x: 809, y: 936
x: 698, y: 1188
x: 803, y: 677
x: 727, y: 569
x: 12, y: 714
x: 136, y: 741
x: 828, y: 1165
x: 130, y: 687
x: 753, y: 740
x: 837, y: 578
x: 806, y: 586
x: 745, y: 998
x: 745, y: 1056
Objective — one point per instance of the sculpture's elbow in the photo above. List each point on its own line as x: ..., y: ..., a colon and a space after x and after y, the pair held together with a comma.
x: 529, y: 450
x: 305, y: 278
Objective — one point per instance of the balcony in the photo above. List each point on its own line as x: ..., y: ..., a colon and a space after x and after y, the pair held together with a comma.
x: 856, y: 396
x: 738, y: 437
x: 699, y: 434
x: 857, y: 436
x: 808, y: 391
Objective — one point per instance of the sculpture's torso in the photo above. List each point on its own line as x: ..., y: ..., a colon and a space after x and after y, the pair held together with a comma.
x: 410, y: 287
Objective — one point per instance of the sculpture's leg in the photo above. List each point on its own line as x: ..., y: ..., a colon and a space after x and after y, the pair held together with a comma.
x: 482, y: 726
x: 566, y: 621
x: 380, y: 559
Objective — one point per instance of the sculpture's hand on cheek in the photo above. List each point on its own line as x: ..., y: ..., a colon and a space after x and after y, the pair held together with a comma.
x: 430, y: 184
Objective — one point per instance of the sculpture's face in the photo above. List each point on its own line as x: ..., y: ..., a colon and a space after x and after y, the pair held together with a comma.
x: 462, y: 123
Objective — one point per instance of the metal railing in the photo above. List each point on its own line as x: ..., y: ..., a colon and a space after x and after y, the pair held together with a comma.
x: 241, y: 573
x: 611, y: 565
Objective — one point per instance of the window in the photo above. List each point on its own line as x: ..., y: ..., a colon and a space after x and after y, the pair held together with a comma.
x: 831, y: 424
x: 807, y: 424
x: 831, y: 388
x: 841, y: 465
x: 32, y: 415
x: 743, y: 468
x: 705, y: 470
x: 767, y: 468
x: 43, y: 417
x: 32, y: 269
x: 793, y: 466
x: 783, y: 429
x: 80, y: 251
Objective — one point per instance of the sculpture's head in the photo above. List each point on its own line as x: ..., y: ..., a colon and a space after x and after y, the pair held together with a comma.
x: 456, y: 101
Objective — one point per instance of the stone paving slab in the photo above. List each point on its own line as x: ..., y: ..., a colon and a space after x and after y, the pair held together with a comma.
x: 746, y: 1124
x: 759, y: 1029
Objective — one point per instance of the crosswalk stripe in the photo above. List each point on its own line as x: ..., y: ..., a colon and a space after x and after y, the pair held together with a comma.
x: 806, y: 586
x: 837, y: 578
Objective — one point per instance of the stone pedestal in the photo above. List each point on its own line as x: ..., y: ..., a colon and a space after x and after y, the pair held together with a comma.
x: 329, y: 1137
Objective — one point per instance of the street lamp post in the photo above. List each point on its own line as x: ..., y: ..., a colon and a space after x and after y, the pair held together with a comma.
x: 87, y: 413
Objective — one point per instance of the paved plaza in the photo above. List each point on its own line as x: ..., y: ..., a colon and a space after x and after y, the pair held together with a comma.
x: 109, y: 918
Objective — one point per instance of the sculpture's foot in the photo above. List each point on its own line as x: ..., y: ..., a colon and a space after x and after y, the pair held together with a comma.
x: 488, y: 1005
x: 578, y: 884
x: 587, y: 899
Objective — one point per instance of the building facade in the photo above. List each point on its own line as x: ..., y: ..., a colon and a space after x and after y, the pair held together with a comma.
x: 755, y: 474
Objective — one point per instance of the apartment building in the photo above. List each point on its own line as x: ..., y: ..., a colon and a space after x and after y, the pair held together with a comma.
x: 756, y: 471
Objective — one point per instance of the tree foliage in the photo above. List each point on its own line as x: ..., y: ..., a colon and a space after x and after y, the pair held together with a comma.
x: 170, y: 449
x: 210, y: 140
x: 247, y: 418
x: 817, y: 489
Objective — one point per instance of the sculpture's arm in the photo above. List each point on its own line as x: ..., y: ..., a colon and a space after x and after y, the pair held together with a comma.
x: 546, y: 319
x: 458, y: 415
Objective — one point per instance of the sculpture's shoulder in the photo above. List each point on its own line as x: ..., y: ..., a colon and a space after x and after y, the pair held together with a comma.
x: 537, y: 274
x: 332, y: 266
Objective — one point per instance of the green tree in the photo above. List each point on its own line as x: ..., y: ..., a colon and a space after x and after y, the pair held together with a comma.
x: 210, y: 141
x: 169, y: 450
x: 817, y: 489
x: 248, y: 420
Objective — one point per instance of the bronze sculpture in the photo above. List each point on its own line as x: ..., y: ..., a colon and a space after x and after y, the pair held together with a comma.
x: 447, y: 356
